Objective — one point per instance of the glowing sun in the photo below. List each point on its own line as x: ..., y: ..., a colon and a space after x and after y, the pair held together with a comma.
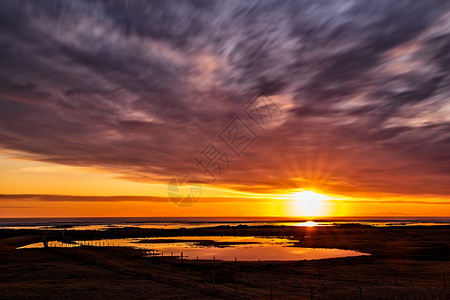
x: 309, y: 203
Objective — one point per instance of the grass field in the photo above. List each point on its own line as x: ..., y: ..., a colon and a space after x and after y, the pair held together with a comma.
x: 405, y: 263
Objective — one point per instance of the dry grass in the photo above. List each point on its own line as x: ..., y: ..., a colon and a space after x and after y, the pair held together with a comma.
x: 407, y: 264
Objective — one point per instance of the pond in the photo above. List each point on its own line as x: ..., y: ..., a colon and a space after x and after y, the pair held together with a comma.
x: 226, y: 248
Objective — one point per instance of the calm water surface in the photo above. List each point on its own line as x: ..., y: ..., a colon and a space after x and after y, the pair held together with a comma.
x: 156, y: 223
x: 224, y: 248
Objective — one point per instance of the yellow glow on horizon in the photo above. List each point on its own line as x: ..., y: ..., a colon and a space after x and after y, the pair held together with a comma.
x: 22, y: 176
x: 308, y: 224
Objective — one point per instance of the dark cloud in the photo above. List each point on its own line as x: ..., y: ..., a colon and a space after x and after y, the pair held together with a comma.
x: 140, y: 88
x: 72, y: 198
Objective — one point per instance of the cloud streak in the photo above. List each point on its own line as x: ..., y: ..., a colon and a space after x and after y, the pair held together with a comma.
x: 111, y: 199
x: 139, y: 88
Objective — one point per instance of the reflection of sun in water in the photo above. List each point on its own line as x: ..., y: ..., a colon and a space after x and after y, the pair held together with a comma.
x: 309, y: 203
x: 310, y: 224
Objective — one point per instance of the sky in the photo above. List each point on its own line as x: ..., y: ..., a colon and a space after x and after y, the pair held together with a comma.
x: 104, y: 103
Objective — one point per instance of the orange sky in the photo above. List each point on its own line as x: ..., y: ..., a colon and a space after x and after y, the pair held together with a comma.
x: 277, y: 111
x: 18, y: 177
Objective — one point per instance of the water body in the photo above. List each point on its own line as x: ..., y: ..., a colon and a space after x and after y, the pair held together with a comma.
x: 226, y: 248
x: 175, y: 223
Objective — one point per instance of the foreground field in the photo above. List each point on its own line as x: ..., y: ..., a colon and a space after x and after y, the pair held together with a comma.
x: 406, y: 263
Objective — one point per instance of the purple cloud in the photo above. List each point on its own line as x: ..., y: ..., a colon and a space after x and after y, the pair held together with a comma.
x: 140, y: 88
